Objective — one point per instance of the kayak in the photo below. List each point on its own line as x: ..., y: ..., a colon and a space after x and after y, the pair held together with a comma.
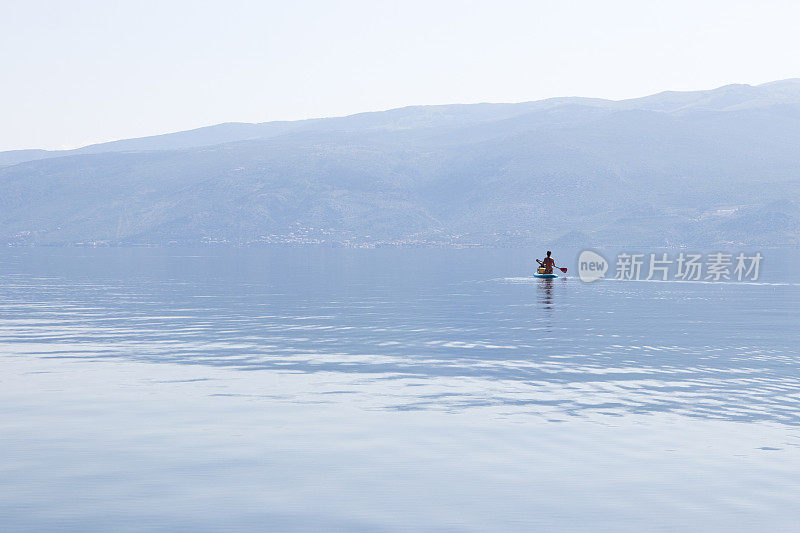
x: 547, y: 276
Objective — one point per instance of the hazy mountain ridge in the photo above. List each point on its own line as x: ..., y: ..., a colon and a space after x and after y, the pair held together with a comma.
x: 695, y: 169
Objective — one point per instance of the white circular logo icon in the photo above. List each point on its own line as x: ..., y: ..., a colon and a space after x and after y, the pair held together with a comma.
x: 591, y: 266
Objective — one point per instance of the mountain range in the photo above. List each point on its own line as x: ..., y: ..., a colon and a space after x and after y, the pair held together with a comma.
x: 704, y: 168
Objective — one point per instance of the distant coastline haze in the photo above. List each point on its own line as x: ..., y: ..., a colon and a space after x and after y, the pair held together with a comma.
x: 705, y: 169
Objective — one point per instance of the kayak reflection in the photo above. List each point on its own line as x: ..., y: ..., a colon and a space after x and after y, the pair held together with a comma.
x: 546, y: 293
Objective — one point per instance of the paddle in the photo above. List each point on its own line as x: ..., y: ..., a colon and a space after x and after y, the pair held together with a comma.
x: 564, y: 270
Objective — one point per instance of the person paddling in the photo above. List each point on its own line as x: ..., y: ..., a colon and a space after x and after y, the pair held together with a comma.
x: 548, y: 264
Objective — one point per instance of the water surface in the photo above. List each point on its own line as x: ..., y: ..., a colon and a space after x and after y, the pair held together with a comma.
x: 308, y: 389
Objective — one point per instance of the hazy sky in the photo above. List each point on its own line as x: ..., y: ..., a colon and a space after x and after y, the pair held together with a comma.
x: 79, y: 72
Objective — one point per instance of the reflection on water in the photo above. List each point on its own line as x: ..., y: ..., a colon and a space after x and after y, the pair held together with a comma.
x: 409, y: 333
x: 546, y: 293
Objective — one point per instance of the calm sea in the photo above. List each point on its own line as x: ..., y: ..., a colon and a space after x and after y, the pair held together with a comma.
x: 319, y: 389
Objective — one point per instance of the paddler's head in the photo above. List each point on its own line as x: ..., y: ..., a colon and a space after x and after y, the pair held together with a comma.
x: 548, y: 253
